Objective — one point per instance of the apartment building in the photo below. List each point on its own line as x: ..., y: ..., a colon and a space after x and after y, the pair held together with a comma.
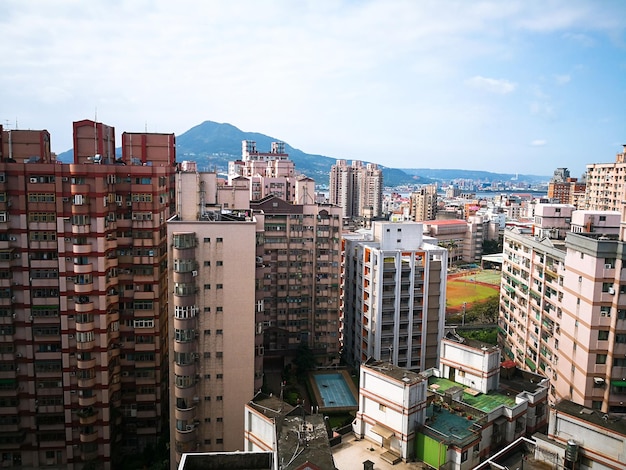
x: 562, y: 312
x: 271, y: 173
x: 25, y: 145
x: 563, y: 189
x: 605, y: 184
x: 357, y: 189
x: 298, y: 265
x: 393, y: 295
x: 423, y: 203
x: 83, y: 297
x: 212, y: 345
x: 452, y: 416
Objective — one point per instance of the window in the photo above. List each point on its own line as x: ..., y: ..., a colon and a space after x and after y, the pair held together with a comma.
x: 219, y: 239
x: 600, y: 358
x: 207, y: 286
x: 605, y: 311
x: 219, y: 286
x: 144, y: 323
x: 219, y: 398
x: 207, y: 263
x: 219, y: 332
x: 382, y: 407
x: 206, y: 240
x: 464, y: 456
x: 603, y: 335
x: 220, y: 263
x: 207, y: 332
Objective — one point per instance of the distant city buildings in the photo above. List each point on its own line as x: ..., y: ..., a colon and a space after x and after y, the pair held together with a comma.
x: 562, y: 189
x: 423, y: 203
x: 357, y: 189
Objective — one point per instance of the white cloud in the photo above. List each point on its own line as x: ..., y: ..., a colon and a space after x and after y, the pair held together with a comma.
x: 493, y: 85
x: 538, y: 143
x: 562, y: 79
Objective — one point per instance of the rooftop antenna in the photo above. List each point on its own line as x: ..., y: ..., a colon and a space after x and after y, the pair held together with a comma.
x: 146, y: 127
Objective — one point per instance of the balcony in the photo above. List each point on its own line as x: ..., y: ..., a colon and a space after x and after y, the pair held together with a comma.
x: 88, y: 435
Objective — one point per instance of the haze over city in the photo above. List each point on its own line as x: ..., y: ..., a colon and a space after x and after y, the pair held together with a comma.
x: 518, y: 87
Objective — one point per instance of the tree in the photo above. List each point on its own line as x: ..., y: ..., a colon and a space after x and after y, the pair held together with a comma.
x: 304, y: 360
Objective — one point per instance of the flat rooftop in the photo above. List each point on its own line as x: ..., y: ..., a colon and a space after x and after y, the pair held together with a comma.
x: 450, y: 427
x: 614, y: 423
x: 395, y: 372
x: 486, y: 402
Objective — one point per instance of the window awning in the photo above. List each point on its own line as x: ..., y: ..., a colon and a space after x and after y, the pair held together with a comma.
x: 618, y: 383
x: 382, y: 431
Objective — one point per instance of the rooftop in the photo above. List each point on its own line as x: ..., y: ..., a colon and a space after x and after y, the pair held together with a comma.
x: 450, y: 426
x: 303, y: 439
x: 615, y: 423
x: 485, y: 402
x: 395, y: 372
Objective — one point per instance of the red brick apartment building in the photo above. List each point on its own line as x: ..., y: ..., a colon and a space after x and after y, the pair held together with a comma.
x: 83, y: 276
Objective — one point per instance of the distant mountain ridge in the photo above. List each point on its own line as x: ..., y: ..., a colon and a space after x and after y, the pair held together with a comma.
x: 212, y: 145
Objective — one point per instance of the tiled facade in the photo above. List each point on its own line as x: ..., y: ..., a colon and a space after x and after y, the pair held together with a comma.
x: 563, y: 313
x: 297, y: 294
x: 83, y: 299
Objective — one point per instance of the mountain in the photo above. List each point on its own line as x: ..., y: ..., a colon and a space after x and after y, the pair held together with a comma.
x: 212, y: 145
x: 475, y: 175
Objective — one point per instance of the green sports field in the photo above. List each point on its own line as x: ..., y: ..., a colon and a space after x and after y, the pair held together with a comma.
x: 470, y: 287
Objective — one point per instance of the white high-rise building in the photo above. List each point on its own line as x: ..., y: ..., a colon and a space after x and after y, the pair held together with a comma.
x: 394, y: 295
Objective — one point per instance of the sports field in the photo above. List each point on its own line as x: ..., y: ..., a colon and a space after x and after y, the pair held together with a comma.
x: 471, y: 286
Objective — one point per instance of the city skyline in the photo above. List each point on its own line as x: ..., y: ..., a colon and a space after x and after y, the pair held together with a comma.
x: 504, y: 88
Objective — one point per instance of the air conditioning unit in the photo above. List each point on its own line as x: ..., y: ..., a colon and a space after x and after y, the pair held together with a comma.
x: 611, y: 290
x: 129, y: 203
x: 66, y: 199
x: 194, y: 273
x: 608, y: 266
x: 13, y: 239
x: 190, y: 427
x: 64, y: 178
x: 70, y: 336
x: 34, y: 180
x: 18, y: 355
x: 73, y: 373
x: 598, y: 380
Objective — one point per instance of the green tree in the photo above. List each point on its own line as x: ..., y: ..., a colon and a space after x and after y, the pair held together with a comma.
x: 304, y: 360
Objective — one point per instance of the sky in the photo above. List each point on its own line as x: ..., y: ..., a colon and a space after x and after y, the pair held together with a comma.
x: 516, y: 86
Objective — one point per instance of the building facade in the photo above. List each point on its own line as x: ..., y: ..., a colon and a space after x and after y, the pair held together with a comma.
x: 563, y: 314
x: 212, y: 340
x: 83, y: 299
x: 423, y: 203
x: 357, y: 189
x: 605, y: 189
x: 298, y: 265
x: 393, y: 295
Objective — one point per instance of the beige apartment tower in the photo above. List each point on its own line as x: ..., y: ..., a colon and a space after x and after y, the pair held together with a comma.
x: 357, y: 189
x: 212, y: 319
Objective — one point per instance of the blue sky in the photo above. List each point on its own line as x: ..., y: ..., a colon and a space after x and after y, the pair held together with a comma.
x: 515, y: 86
